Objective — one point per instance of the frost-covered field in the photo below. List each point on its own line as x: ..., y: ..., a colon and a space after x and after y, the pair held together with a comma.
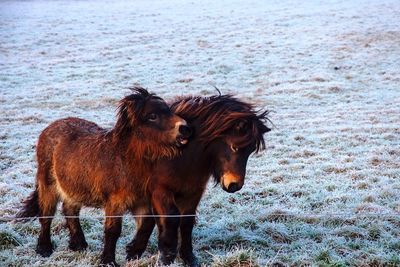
x: 330, y: 71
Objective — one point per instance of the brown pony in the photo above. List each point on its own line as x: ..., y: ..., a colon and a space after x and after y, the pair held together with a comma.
x: 226, y: 132
x: 81, y: 164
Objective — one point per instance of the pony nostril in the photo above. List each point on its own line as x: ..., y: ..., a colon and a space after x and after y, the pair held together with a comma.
x: 185, y: 130
x: 233, y: 187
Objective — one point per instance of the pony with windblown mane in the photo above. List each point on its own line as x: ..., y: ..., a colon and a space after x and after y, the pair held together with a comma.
x: 81, y: 164
x: 225, y: 132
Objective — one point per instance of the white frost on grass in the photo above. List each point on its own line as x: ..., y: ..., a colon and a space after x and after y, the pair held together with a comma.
x: 328, y: 69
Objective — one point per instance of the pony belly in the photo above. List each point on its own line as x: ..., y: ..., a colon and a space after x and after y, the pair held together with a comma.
x: 83, y: 197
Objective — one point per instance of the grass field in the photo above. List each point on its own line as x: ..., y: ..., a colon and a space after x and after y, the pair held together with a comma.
x: 326, y: 192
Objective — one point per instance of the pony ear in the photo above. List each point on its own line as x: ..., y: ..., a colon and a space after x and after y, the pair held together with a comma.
x: 263, y: 129
x: 129, y: 113
x: 134, y: 108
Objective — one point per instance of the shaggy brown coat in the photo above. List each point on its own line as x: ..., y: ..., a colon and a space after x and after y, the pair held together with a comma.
x: 81, y: 164
x: 226, y: 131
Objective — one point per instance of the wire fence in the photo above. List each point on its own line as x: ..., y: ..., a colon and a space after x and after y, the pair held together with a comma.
x: 272, y: 216
x: 97, y: 217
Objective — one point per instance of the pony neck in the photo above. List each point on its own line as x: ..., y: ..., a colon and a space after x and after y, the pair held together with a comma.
x: 129, y: 144
x: 201, y: 148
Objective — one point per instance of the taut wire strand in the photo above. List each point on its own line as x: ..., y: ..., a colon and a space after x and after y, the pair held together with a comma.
x: 282, y: 215
x: 13, y: 218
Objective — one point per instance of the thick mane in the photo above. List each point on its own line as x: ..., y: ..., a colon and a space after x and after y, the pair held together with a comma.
x: 129, y: 110
x: 128, y: 125
x: 218, y: 114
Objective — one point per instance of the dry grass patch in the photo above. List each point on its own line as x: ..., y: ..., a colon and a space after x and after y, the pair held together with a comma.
x: 8, y: 240
x: 336, y: 170
x: 236, y: 258
x: 278, y: 233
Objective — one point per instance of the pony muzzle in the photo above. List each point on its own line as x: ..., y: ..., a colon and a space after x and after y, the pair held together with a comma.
x: 183, y: 132
x: 231, y: 182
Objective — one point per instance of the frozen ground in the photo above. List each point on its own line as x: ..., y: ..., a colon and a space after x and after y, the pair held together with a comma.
x: 328, y: 69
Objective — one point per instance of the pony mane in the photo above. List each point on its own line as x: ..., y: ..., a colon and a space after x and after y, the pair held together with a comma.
x: 218, y: 114
x: 129, y: 121
x: 129, y: 110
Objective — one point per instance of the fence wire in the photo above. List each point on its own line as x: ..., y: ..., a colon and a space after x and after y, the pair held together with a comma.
x: 272, y: 216
x: 13, y: 218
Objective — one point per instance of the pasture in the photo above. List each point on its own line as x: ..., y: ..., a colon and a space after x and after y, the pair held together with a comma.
x: 325, y: 192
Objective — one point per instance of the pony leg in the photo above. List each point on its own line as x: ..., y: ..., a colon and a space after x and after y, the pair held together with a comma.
x: 137, y: 246
x: 186, y: 249
x: 186, y: 228
x: 48, y: 200
x: 164, y: 204
x: 112, y: 231
x: 77, y: 240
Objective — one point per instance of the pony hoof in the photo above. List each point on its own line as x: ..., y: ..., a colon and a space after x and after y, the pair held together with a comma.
x: 133, y: 253
x: 112, y: 264
x: 132, y: 257
x: 44, y: 250
x: 167, y: 259
x: 78, y: 245
x: 108, y: 262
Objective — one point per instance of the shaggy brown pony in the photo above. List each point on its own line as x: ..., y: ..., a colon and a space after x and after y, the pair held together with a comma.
x: 226, y: 131
x: 81, y: 164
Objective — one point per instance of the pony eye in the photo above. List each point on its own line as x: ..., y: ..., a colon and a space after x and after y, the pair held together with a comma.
x: 152, y: 117
x: 234, y: 148
x: 241, y: 127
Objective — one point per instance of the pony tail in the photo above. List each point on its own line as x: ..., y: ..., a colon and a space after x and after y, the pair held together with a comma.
x: 30, y: 206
